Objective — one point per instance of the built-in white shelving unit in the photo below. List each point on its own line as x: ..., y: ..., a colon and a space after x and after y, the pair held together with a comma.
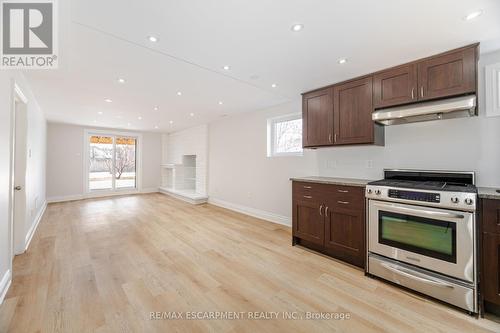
x: 184, y: 169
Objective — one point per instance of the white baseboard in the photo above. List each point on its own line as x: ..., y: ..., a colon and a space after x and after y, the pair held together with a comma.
x: 99, y: 195
x: 5, y: 284
x: 260, y: 214
x: 33, y: 228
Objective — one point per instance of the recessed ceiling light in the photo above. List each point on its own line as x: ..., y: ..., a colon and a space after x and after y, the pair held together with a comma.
x: 179, y: 93
x: 100, y: 112
x: 473, y: 15
x: 191, y: 114
x: 220, y: 103
x: 156, y: 127
x: 274, y: 85
x: 108, y: 100
x: 297, y: 27
x: 152, y: 39
x: 226, y: 68
x: 121, y: 80
x: 140, y: 118
x: 95, y: 121
x: 171, y: 122
x: 156, y: 108
x: 342, y: 61
x: 128, y: 124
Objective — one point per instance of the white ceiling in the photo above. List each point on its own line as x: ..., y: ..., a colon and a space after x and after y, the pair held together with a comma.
x: 101, y: 41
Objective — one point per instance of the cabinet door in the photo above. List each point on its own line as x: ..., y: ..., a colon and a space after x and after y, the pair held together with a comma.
x: 353, y: 107
x: 308, y: 221
x: 317, y: 118
x: 491, y: 271
x: 491, y: 216
x: 448, y: 75
x: 344, y: 234
x: 395, y: 86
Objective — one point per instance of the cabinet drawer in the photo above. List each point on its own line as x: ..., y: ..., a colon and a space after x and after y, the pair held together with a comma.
x: 307, y: 191
x: 491, y: 216
x: 349, y: 197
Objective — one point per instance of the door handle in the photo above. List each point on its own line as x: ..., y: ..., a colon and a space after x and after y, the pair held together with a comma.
x: 401, y: 271
x: 423, y: 212
x: 18, y: 188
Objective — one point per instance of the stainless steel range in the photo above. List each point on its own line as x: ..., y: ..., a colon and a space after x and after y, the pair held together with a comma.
x: 422, y: 233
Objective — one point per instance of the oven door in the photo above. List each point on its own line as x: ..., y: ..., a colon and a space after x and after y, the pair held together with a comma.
x: 439, y: 240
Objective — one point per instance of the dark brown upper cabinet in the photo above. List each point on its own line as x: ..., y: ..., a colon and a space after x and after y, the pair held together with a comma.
x: 317, y: 118
x: 352, y: 112
x: 341, y: 114
x: 449, y: 74
x: 395, y: 86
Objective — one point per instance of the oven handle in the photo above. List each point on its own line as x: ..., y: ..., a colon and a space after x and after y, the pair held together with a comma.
x: 427, y: 212
x: 398, y: 270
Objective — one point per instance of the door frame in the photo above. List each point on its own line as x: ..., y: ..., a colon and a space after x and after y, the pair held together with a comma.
x: 17, y: 97
x: 138, y: 163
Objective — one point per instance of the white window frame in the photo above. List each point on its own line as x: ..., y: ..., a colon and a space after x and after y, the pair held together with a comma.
x: 492, y: 90
x: 271, y: 135
x: 138, y: 162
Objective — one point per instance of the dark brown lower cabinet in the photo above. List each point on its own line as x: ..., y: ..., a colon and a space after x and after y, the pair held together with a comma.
x: 490, y: 255
x: 310, y: 224
x: 330, y: 219
x: 344, y: 234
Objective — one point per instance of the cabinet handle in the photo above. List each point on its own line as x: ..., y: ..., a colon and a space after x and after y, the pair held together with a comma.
x: 308, y: 197
x: 326, y: 211
x: 307, y: 186
x: 330, y: 138
x: 343, y: 191
x: 321, y: 210
x: 343, y: 202
x: 412, y: 93
x: 335, y: 138
x: 422, y: 91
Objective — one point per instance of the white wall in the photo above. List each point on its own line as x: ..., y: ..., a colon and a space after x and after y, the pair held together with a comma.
x: 242, y: 177
x: 35, y: 178
x: 65, y: 145
x: 192, y: 141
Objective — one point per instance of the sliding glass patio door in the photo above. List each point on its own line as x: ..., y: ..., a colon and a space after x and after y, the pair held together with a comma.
x: 112, y: 162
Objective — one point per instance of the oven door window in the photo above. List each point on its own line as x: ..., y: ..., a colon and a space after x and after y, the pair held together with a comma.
x: 429, y: 237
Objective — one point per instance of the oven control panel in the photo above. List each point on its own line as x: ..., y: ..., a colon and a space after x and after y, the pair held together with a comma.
x: 415, y: 196
x: 445, y: 199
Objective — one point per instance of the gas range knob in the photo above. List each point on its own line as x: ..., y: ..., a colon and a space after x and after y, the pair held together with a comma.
x: 369, y: 191
x: 377, y: 192
x: 454, y: 200
x: 469, y: 201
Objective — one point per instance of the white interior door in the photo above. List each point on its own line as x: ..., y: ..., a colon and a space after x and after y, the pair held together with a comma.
x: 20, y: 158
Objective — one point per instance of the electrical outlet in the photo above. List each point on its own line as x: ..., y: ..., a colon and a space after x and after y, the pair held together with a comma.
x: 369, y: 164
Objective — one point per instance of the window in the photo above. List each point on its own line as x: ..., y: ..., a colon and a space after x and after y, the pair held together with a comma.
x: 111, y: 163
x: 284, y: 136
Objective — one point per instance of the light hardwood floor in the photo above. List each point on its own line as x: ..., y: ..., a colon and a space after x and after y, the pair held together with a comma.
x: 103, y: 265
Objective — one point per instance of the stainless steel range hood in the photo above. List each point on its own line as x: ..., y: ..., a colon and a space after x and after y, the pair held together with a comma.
x: 457, y: 107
